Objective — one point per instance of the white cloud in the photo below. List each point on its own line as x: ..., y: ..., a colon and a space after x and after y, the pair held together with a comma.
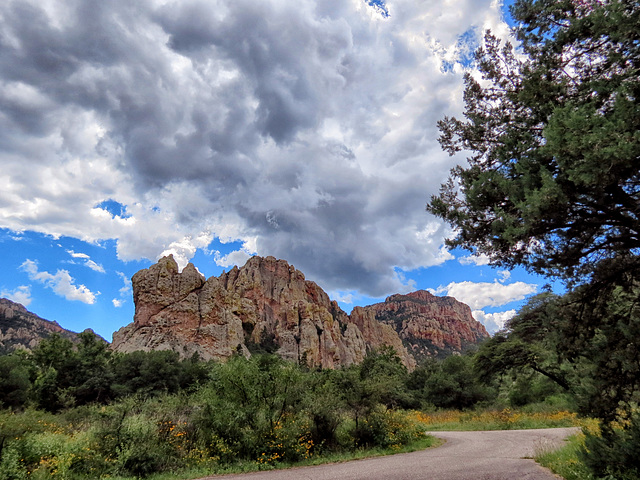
x: 237, y: 257
x: 21, y: 294
x: 126, y: 289
x: 78, y: 255
x: 493, y: 321
x: 184, y: 249
x: 484, y: 294
x: 306, y: 128
x: 87, y: 261
x: 61, y: 283
x: 343, y: 297
x: 504, y: 275
x: 479, y: 260
x: 94, y: 266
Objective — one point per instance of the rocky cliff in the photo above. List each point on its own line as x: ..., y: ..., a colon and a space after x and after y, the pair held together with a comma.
x: 429, y: 326
x: 265, y: 302
x: 264, y: 305
x: 19, y: 328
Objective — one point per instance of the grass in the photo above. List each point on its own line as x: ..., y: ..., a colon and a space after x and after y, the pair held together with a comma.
x: 564, y: 461
x: 505, y: 419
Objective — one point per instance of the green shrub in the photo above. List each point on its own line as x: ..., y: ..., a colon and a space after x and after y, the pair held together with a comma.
x: 15, y: 381
x: 245, y: 403
x: 14, y: 428
x: 615, y: 451
x: 532, y: 388
x: 387, y: 429
x: 289, y: 441
x: 62, y: 455
x: 39, y: 447
x: 321, y: 403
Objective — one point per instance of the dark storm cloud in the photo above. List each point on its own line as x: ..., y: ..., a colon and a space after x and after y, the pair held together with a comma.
x: 303, y: 127
x: 275, y: 50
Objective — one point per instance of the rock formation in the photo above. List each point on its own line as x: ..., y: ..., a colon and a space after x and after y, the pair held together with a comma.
x: 21, y: 329
x: 265, y: 301
x: 429, y: 326
x: 267, y: 304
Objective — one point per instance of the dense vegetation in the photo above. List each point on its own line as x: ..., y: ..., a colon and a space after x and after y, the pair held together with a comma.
x: 86, y: 412
x: 553, y: 184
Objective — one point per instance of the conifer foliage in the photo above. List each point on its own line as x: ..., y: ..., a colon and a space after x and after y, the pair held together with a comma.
x: 552, y: 131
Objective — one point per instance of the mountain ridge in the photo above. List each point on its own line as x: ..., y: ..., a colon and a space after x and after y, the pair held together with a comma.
x: 22, y: 329
x: 268, y: 301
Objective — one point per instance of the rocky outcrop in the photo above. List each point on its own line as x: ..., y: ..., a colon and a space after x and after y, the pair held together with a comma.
x: 267, y: 305
x: 429, y: 326
x: 21, y: 329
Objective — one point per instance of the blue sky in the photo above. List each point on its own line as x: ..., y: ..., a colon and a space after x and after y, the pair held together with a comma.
x: 299, y: 129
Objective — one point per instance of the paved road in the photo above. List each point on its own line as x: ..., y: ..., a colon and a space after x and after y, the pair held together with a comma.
x: 495, y: 455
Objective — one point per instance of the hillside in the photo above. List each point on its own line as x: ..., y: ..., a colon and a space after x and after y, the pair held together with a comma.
x: 19, y: 328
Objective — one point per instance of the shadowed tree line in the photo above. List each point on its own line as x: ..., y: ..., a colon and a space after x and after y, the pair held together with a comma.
x: 58, y: 375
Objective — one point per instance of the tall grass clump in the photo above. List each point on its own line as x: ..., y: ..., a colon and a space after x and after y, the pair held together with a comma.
x: 565, y: 461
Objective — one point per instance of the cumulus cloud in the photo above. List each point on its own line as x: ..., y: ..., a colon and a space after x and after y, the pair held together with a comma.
x: 493, y: 321
x: 484, y: 294
x: 305, y: 128
x: 237, y: 257
x: 21, y: 294
x: 61, y: 283
x: 343, y: 297
x: 117, y: 302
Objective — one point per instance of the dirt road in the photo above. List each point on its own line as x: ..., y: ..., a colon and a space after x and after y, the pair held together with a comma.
x: 495, y: 455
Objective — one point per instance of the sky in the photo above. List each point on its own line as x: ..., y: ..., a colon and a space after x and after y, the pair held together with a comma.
x: 219, y: 129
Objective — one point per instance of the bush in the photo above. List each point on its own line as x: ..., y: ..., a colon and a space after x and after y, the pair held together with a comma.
x: 614, y: 452
x: 15, y: 380
x: 245, y: 403
x: 289, y: 441
x: 39, y: 447
x: 322, y: 404
x: 140, y: 438
x: 450, y: 383
x: 387, y: 429
x: 532, y: 388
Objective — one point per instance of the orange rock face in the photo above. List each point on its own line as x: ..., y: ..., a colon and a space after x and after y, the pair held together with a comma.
x: 266, y: 304
x: 430, y: 326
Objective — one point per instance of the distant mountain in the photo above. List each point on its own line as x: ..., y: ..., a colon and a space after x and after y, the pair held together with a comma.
x: 429, y: 326
x: 19, y: 328
x: 268, y: 305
